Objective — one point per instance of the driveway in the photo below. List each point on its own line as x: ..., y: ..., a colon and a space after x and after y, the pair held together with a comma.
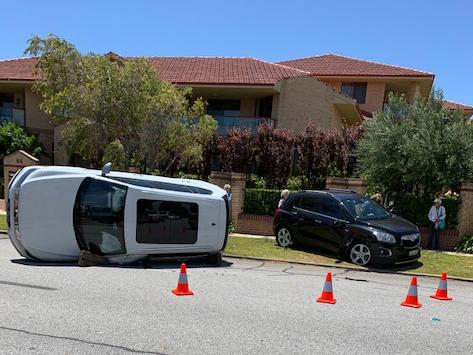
x: 246, y: 307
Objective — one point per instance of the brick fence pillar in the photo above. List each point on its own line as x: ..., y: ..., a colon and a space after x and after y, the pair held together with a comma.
x: 238, y: 183
x: 355, y: 184
x: 465, y: 215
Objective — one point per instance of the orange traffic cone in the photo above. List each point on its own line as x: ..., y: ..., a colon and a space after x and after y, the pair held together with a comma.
x: 182, y: 288
x: 327, y: 293
x: 441, y: 293
x: 411, y: 298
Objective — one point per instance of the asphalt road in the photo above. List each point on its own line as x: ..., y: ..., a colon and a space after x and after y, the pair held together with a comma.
x: 246, y: 307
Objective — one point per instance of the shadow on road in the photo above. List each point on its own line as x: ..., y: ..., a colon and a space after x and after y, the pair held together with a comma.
x: 152, y: 263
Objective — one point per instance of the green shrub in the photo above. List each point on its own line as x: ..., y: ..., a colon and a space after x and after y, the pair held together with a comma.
x: 466, y: 245
x: 261, y: 201
x: 255, y: 182
x: 294, y: 183
x: 416, y: 209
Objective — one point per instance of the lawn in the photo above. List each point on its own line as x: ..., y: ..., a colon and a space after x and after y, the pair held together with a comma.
x: 429, y: 263
x: 3, y: 223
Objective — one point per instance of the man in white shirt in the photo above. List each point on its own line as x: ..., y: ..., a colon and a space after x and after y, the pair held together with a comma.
x: 436, y: 216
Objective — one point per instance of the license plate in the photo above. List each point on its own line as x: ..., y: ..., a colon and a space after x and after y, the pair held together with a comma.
x: 413, y: 252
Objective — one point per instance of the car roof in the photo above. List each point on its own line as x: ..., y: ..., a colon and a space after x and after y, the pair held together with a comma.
x: 339, y: 194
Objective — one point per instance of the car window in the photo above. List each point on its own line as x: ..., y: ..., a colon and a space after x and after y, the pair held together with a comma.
x: 329, y: 207
x: 167, y: 222
x: 309, y: 203
x: 365, y: 209
x: 321, y: 204
x: 162, y: 185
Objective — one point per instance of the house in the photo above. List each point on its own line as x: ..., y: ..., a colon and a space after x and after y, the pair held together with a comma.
x: 370, y: 82
x: 328, y: 90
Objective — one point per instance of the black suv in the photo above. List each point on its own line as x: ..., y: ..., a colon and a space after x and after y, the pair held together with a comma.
x: 348, y: 224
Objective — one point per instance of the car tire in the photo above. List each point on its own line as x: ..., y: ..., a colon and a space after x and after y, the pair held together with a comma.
x: 215, y: 259
x: 284, y: 237
x: 360, y: 254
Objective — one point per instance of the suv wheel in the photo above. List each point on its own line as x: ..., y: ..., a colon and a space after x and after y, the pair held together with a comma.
x: 360, y: 254
x: 284, y: 237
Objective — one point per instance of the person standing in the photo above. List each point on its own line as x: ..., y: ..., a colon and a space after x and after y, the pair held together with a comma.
x: 284, y: 196
x: 437, y: 215
x: 228, y: 189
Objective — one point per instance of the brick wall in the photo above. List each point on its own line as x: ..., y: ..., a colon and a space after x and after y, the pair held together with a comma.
x: 255, y: 224
x: 354, y: 184
x: 448, y: 239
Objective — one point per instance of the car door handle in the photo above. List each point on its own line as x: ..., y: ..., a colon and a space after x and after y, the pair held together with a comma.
x: 317, y: 221
x: 294, y: 213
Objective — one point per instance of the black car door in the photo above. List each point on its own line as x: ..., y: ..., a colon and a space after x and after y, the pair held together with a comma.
x: 307, y: 220
x: 330, y: 228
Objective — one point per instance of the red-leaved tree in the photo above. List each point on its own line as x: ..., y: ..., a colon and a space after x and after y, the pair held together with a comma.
x: 236, y: 150
x: 274, y: 154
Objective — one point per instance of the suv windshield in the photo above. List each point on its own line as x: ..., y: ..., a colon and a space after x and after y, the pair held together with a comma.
x: 365, y: 209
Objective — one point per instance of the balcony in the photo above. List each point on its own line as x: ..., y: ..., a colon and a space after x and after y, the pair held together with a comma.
x: 225, y: 123
x: 12, y: 115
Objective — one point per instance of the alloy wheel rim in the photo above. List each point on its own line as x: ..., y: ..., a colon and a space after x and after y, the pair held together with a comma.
x: 284, y: 237
x: 360, y: 254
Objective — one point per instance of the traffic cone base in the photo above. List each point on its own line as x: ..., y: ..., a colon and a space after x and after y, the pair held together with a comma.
x: 407, y: 304
x: 327, y: 293
x: 411, y: 298
x: 182, y: 288
x: 441, y: 293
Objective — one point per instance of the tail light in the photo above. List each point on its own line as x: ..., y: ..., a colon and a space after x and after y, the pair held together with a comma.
x: 278, y: 210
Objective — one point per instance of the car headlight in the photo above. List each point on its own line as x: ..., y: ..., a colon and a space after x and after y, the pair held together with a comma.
x: 383, y: 236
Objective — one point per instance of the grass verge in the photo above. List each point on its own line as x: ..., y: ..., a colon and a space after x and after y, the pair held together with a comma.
x: 3, y: 223
x: 429, y: 263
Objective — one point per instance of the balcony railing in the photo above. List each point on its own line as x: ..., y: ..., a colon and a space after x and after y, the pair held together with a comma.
x: 12, y: 115
x: 225, y: 123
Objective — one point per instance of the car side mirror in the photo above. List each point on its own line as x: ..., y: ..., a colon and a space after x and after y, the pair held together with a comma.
x: 106, y: 169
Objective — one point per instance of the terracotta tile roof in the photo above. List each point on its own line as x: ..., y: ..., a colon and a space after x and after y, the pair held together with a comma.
x: 186, y: 70
x: 17, y: 69
x: 452, y: 105
x: 337, y: 65
x: 217, y: 70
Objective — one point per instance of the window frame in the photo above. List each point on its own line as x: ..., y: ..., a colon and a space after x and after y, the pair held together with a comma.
x: 354, y: 86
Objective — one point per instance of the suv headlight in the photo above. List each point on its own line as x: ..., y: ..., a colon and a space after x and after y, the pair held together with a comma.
x: 384, y: 237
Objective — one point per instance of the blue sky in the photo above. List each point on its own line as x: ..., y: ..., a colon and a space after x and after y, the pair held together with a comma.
x: 435, y: 36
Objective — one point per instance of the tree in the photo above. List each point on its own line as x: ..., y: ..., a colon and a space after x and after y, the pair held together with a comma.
x: 109, y: 107
x: 14, y: 137
x: 313, y: 156
x: 236, y: 150
x: 421, y: 148
x: 274, y: 154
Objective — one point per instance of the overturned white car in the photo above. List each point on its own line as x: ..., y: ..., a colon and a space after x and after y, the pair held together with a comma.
x: 55, y: 212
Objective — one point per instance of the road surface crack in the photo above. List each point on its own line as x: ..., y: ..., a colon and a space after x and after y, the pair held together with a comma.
x: 119, y: 347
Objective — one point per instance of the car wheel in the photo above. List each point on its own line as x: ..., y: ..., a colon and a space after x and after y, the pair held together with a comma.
x: 215, y: 259
x: 360, y: 254
x: 284, y: 237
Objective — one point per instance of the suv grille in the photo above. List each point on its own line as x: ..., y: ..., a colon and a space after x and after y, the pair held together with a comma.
x: 410, y: 241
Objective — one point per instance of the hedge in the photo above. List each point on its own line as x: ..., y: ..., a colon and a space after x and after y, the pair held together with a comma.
x: 261, y: 201
x: 416, y: 209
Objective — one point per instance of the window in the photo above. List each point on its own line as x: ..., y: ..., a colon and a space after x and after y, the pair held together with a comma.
x: 265, y: 107
x: 365, y: 209
x: 329, y: 207
x: 309, y: 203
x: 167, y: 222
x: 162, y: 185
x: 355, y: 90
x: 321, y: 204
x: 99, y: 214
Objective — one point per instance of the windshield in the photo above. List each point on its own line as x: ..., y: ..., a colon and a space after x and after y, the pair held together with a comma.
x: 99, y: 214
x: 365, y: 209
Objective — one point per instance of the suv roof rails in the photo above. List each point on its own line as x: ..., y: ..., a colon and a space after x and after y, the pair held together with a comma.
x: 327, y: 191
